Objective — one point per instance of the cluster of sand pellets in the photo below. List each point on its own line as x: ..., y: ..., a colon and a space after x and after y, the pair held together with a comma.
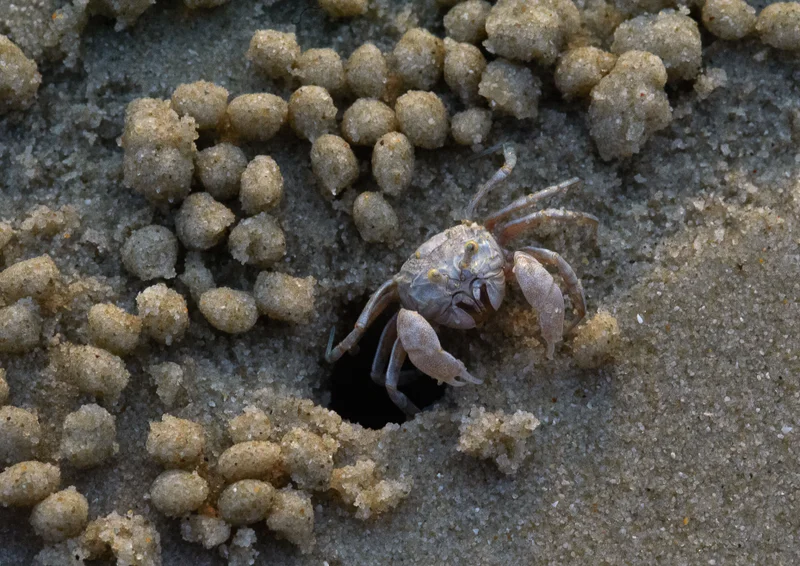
x: 266, y: 476
x: 497, y: 436
x: 617, y: 59
x: 387, y: 101
x: 127, y: 539
x: 161, y: 162
x: 60, y: 517
x: 32, y: 290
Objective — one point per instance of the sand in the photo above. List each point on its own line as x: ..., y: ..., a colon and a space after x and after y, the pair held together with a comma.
x: 682, y: 450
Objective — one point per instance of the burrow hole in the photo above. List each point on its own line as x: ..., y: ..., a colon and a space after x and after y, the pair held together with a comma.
x: 354, y: 396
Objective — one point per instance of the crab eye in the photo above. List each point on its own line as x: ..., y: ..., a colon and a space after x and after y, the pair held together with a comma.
x: 471, y: 246
x: 433, y: 275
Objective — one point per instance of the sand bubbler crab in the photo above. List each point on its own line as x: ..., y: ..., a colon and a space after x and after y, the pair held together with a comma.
x: 458, y: 277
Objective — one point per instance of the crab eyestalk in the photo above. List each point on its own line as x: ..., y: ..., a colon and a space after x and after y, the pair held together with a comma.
x: 434, y: 275
x: 470, y: 249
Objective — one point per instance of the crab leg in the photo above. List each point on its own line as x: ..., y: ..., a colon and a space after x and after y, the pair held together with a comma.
x: 512, y: 229
x: 529, y: 200
x: 574, y: 287
x: 510, y: 156
x: 393, y: 379
x: 379, y: 300
x: 383, y: 355
x: 384, y: 351
x: 420, y: 341
x: 543, y: 295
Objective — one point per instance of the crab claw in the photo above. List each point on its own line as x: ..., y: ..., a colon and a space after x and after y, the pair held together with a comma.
x: 467, y: 377
x: 420, y: 341
x: 543, y: 295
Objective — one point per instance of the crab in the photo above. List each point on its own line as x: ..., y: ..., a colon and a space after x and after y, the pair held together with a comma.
x: 457, y: 278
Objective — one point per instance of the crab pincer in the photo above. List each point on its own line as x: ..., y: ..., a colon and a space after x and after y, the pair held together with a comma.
x: 422, y: 345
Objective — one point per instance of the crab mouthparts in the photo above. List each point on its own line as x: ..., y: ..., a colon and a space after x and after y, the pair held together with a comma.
x: 476, y: 305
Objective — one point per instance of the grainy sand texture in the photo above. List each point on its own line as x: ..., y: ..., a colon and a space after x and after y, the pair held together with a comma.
x: 194, y: 193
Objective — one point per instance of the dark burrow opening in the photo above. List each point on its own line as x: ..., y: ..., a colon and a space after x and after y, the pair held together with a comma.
x: 354, y: 396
